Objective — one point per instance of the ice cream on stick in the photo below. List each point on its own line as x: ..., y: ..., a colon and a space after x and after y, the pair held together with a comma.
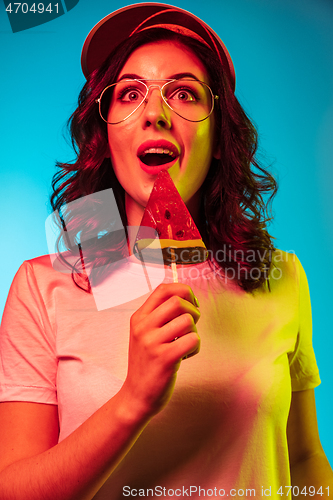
x: 167, y: 224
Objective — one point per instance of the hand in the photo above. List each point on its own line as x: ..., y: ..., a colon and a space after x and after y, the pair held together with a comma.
x: 162, y: 332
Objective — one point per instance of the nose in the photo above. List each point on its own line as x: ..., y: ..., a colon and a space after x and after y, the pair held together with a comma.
x: 156, y: 112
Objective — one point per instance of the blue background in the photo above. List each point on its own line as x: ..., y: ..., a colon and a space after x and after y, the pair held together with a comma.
x: 283, y: 54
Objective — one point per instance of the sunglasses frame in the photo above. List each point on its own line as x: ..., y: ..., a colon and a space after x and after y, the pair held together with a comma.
x: 148, y: 87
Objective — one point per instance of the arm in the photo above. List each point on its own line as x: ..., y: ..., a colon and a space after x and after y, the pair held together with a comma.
x: 308, y: 463
x: 33, y: 465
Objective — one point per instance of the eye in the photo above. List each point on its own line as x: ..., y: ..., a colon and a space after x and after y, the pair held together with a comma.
x: 184, y: 95
x: 130, y: 94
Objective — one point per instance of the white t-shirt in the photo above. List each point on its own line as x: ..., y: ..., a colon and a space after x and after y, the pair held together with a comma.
x: 224, y: 429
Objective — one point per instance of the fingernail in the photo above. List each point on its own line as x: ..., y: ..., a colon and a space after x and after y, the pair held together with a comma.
x: 196, y: 301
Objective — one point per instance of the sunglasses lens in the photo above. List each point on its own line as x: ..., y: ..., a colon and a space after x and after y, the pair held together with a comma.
x: 190, y: 99
x: 121, y: 99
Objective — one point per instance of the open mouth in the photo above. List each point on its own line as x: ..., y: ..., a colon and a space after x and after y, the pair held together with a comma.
x: 154, y: 157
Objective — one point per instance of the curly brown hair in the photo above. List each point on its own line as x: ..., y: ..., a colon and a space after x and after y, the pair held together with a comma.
x: 237, y: 192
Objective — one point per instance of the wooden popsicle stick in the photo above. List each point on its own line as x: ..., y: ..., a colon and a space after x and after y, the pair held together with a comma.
x: 173, y: 257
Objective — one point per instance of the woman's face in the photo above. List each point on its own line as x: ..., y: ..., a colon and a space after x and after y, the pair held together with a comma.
x: 154, y: 126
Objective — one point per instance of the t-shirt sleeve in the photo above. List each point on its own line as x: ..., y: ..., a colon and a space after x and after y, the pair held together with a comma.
x: 28, y: 362
x: 303, y: 366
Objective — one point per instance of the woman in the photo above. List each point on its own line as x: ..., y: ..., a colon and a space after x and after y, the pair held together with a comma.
x: 102, y: 403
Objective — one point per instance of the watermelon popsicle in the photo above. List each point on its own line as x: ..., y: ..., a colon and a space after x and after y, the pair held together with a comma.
x: 167, y: 225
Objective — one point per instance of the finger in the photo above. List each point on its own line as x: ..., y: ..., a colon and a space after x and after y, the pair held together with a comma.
x: 177, y: 328
x: 184, y: 347
x: 193, y: 353
x: 168, y: 311
x: 165, y: 291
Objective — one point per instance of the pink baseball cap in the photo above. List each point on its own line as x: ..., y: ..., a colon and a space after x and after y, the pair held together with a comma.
x: 123, y: 23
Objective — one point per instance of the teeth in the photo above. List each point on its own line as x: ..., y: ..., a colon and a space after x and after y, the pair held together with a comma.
x: 159, y: 151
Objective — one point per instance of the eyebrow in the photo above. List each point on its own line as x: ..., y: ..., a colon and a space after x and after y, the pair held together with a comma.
x: 176, y: 76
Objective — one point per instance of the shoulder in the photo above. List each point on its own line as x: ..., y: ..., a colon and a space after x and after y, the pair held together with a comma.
x: 44, y: 290
x: 39, y: 264
x: 286, y: 276
x: 286, y: 268
x: 40, y: 273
